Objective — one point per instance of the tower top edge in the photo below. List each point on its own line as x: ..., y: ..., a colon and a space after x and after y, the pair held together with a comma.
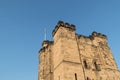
x: 45, y: 44
x: 63, y: 24
x: 93, y: 35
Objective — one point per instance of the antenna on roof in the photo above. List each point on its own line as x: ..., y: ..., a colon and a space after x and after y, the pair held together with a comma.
x: 45, y: 34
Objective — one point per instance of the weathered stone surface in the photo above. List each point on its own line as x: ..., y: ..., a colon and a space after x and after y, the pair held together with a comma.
x: 76, y: 57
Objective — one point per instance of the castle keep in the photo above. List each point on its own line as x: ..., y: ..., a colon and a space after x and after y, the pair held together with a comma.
x: 76, y: 57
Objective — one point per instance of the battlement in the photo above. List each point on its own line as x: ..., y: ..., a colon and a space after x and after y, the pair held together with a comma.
x: 93, y: 35
x: 77, y: 56
x: 65, y: 25
x: 45, y: 44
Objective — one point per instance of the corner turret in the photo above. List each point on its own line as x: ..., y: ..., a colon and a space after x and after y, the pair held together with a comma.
x: 45, y: 44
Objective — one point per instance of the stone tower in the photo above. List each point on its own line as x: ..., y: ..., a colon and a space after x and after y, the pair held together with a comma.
x: 76, y: 57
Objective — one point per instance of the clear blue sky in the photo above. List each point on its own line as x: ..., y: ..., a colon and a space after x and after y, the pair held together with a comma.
x: 22, y: 24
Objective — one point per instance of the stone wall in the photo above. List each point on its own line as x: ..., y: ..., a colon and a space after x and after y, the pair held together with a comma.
x: 76, y: 57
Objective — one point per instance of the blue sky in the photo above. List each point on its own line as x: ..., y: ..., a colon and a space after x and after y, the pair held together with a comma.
x: 22, y: 24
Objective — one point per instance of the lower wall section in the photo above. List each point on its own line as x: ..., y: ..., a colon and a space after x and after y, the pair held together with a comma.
x: 58, y: 72
x: 73, y: 71
x: 67, y: 70
x: 109, y: 74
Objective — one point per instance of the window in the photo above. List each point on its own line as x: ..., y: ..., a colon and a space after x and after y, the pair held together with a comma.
x: 85, y: 64
x: 97, y: 67
x: 95, y: 64
x: 88, y: 78
x: 59, y: 77
x: 75, y: 76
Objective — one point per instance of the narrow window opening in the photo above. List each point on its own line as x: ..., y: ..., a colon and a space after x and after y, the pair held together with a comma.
x: 97, y: 67
x: 75, y: 76
x: 88, y: 78
x: 85, y: 64
x: 59, y: 78
x: 95, y: 64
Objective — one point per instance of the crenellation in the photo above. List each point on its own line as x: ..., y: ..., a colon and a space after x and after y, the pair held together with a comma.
x: 72, y: 57
x: 65, y: 25
x: 94, y: 39
x: 46, y: 43
x: 95, y: 34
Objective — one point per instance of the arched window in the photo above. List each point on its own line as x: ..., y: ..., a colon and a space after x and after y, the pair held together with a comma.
x: 75, y: 76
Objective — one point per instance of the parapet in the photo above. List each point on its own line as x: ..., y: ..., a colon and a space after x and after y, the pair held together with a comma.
x: 65, y: 25
x: 93, y: 35
x: 45, y: 45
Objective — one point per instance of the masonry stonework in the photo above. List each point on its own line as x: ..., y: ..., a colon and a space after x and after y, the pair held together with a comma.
x: 76, y: 57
